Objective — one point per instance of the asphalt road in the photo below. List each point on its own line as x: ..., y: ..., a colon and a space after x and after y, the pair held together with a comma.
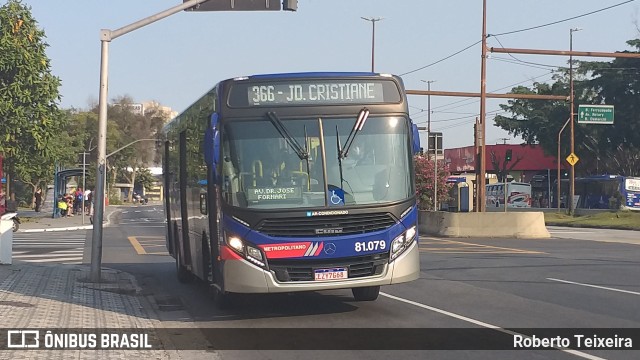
x: 578, y: 279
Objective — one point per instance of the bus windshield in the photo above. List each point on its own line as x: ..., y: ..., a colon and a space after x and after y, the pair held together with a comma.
x: 261, y: 169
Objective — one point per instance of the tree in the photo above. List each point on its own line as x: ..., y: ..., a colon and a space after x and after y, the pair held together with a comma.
x: 30, y: 120
x: 425, y: 174
x: 502, y: 170
x: 145, y: 179
x: 615, y: 148
x: 127, y: 127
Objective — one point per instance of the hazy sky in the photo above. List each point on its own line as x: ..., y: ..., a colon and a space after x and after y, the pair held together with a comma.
x: 176, y: 60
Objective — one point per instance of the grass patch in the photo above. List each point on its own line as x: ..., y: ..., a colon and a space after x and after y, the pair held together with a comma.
x: 626, y: 220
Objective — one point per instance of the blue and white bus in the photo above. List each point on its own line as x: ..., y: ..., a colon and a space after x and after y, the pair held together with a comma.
x: 607, y: 192
x: 294, y: 182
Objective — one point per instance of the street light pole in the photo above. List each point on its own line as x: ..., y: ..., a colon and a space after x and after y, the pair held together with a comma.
x: 558, y: 187
x: 106, y: 36
x: 571, y: 120
x: 373, y: 38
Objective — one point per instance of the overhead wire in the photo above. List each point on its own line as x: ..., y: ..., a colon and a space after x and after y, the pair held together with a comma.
x: 443, y: 59
x: 518, y: 31
x: 564, y: 20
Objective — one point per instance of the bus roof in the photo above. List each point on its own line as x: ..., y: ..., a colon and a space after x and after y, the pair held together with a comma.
x: 312, y: 75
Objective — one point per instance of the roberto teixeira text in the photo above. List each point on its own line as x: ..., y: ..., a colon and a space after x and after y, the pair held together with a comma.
x: 40, y: 339
x: 575, y: 341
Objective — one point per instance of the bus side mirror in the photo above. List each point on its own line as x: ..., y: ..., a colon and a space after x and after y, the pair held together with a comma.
x: 416, y: 139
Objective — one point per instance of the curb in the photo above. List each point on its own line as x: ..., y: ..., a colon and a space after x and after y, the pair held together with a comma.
x: 107, y: 222
x: 84, y: 227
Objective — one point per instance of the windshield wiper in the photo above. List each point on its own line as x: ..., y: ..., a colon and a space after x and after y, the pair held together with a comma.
x: 295, y: 145
x: 339, y: 157
x: 363, y: 115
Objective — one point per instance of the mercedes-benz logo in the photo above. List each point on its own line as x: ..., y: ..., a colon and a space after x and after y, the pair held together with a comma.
x: 329, y: 248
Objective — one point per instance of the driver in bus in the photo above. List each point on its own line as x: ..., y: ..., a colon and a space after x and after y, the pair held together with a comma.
x: 290, y: 173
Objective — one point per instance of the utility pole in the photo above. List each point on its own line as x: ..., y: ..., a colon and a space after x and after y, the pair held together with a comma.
x: 373, y: 38
x: 572, y: 121
x: 428, y: 103
x: 481, y: 158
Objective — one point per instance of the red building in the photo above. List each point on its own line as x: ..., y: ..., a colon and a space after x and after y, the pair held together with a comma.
x: 528, y: 164
x: 526, y: 160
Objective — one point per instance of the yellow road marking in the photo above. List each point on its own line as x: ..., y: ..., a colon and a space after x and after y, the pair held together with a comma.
x: 136, y: 245
x: 139, y: 243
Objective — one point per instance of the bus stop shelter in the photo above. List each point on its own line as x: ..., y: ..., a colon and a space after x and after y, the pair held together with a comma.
x: 60, y: 185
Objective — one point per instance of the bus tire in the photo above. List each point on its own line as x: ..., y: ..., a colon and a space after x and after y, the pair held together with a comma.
x: 184, y: 275
x: 367, y: 293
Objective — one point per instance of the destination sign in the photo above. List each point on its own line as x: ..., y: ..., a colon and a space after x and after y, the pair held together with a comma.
x: 314, y: 92
x: 274, y: 193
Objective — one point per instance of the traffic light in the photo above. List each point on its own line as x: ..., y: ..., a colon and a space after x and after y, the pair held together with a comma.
x: 508, y: 155
x: 290, y: 5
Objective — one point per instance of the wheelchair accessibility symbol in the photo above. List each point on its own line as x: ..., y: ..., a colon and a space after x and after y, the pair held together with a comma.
x: 337, y: 197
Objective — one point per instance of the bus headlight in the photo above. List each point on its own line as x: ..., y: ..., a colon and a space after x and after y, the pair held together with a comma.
x: 236, y: 244
x: 402, y: 242
x: 248, y: 252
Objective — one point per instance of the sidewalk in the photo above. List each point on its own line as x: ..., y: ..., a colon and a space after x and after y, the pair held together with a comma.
x: 61, y: 298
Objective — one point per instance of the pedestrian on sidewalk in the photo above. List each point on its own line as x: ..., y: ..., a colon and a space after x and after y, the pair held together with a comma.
x: 69, y: 199
x: 88, y: 195
x: 63, y: 206
x: 77, y: 201
x: 38, y: 199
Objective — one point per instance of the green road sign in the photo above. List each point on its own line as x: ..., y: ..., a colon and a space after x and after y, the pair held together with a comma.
x: 595, y: 114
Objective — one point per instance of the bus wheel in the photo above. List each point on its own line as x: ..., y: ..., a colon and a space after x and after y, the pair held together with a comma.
x: 367, y: 293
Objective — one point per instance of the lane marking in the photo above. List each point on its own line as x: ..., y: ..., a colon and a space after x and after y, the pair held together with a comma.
x: 158, y: 253
x: 476, y: 246
x: 595, y: 286
x: 569, y: 232
x: 136, y: 245
x: 484, y: 324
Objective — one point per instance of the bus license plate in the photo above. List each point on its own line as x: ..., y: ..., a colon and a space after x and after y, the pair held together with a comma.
x: 330, y: 274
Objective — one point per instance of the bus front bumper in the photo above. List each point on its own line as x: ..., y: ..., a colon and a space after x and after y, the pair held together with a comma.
x: 240, y: 276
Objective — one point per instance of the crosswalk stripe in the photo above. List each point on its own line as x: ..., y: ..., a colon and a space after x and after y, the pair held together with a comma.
x: 49, y: 255
x: 77, y: 258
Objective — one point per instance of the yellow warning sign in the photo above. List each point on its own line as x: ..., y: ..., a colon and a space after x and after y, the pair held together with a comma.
x: 572, y: 159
